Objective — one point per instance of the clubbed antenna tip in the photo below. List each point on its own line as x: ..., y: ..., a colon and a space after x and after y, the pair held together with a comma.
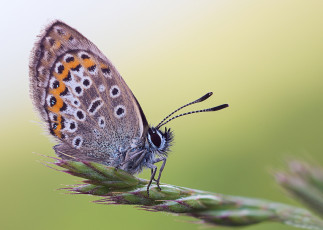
x: 219, y: 107
x: 206, y: 96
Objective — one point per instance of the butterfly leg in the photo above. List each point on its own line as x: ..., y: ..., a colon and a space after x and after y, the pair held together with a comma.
x: 160, y: 172
x: 153, y: 173
x: 156, y: 161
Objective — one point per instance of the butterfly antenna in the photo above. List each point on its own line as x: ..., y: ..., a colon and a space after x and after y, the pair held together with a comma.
x: 196, y: 111
x: 206, y: 96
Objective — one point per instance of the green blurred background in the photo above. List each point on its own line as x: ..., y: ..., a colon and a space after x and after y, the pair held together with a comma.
x: 264, y: 58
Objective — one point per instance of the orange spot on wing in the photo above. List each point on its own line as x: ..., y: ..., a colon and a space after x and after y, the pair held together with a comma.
x: 67, y: 67
x: 61, y: 76
x: 103, y: 66
x: 72, y: 64
x: 88, y: 62
x: 57, y: 45
x: 57, y: 106
x: 58, y: 90
x: 66, y: 36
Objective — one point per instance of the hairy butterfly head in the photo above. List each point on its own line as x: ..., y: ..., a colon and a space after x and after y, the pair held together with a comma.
x: 159, y: 141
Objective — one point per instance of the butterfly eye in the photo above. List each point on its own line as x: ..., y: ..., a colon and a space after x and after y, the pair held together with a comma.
x: 154, y: 137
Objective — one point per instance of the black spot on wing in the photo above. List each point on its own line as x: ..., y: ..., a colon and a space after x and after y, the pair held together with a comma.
x: 92, y: 68
x: 72, y: 125
x: 55, y: 126
x: 60, y: 69
x: 115, y: 91
x: 52, y: 101
x: 86, y: 82
x: 55, y: 84
x: 77, y: 68
x: 120, y: 111
x: 80, y: 115
x: 84, y: 56
x: 106, y: 70
x: 94, y: 105
x: 65, y: 92
x: 64, y: 107
x: 69, y: 59
x: 63, y: 123
x: 77, y: 141
x: 78, y: 89
x: 68, y: 77
x: 60, y: 31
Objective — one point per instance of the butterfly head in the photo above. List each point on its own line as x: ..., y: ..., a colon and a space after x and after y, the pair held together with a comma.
x: 159, y: 141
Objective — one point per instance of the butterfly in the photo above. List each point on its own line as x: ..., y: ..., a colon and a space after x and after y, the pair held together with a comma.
x: 89, y: 109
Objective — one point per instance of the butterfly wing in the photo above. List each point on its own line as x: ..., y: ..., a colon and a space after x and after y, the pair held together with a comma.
x: 80, y: 95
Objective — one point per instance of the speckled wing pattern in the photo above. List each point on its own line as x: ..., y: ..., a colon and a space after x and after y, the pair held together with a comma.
x: 82, y: 98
